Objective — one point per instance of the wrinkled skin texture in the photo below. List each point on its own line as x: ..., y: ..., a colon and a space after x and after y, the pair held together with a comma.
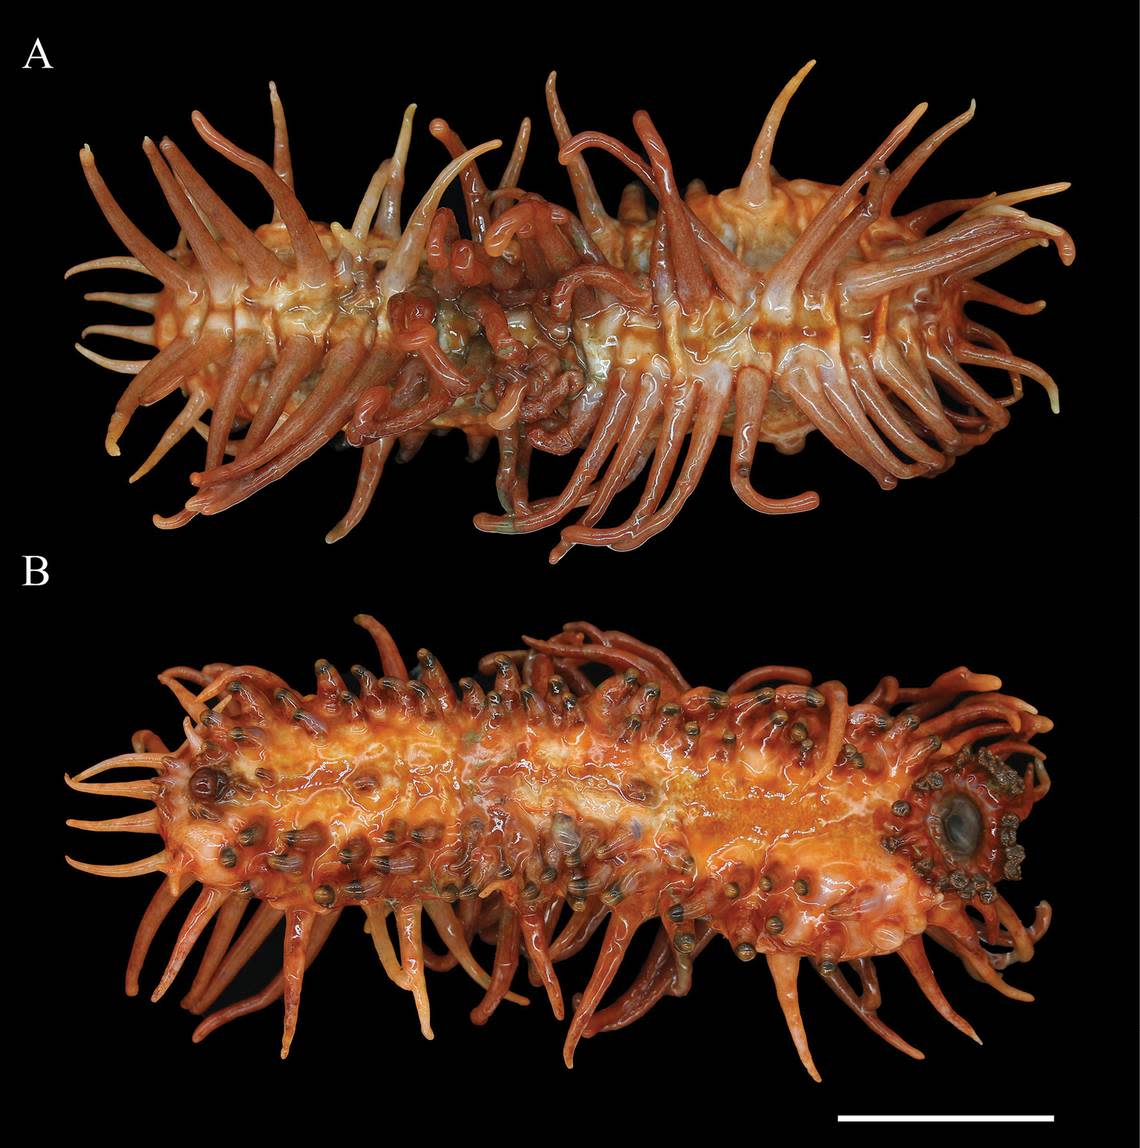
x: 760, y: 313
x: 778, y: 815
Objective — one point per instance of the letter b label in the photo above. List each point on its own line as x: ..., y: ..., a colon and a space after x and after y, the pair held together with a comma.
x: 35, y: 570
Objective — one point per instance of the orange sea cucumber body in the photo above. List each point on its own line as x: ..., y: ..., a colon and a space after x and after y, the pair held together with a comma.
x: 762, y: 312
x: 779, y: 815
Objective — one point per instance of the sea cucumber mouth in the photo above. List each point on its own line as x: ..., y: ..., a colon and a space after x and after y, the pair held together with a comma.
x: 960, y: 827
x: 959, y: 823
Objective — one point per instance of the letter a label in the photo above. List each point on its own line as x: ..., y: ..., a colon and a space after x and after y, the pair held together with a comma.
x: 37, y: 53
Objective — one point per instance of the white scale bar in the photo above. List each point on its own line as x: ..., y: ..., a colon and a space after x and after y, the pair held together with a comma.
x: 923, y: 1118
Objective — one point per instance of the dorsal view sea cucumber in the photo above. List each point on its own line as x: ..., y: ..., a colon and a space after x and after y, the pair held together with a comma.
x: 761, y: 313
x: 590, y: 789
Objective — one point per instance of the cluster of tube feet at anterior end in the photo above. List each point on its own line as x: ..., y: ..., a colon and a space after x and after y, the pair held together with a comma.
x: 764, y: 312
x: 790, y: 820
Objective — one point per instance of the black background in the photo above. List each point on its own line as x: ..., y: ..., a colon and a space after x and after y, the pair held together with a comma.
x: 1015, y: 562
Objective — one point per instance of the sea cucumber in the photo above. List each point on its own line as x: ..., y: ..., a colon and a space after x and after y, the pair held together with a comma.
x: 779, y: 815
x: 760, y: 313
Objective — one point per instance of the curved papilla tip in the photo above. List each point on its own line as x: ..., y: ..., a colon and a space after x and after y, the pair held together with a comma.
x: 132, y: 989
x: 559, y: 552
x: 176, y: 521
x: 86, y: 155
x: 273, y: 87
x: 982, y: 683
x: 333, y: 536
x: 114, y: 430
x: 814, y: 1074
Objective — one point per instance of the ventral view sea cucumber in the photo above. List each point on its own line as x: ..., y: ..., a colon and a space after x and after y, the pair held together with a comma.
x: 761, y: 313
x: 585, y: 787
